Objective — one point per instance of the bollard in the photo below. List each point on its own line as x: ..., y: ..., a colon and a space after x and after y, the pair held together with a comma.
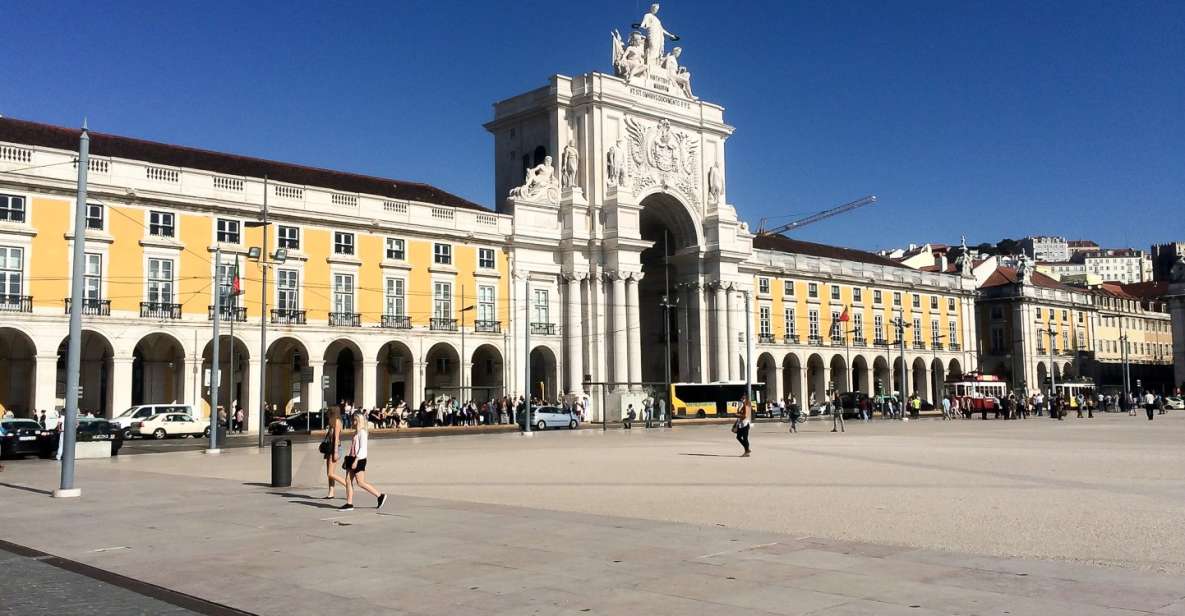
x: 281, y: 463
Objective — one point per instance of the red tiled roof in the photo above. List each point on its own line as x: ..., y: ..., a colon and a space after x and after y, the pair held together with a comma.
x: 1081, y: 244
x: 1007, y: 275
x: 1146, y: 290
x: 102, y: 144
x: 781, y: 243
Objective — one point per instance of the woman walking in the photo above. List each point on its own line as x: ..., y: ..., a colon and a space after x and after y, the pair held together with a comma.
x: 744, y: 415
x: 355, y: 466
x: 330, y: 446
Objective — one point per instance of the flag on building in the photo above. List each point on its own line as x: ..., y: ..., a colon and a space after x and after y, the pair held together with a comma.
x: 843, y: 318
x: 236, y: 285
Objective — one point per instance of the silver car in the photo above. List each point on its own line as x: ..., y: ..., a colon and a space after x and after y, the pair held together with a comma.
x: 544, y: 417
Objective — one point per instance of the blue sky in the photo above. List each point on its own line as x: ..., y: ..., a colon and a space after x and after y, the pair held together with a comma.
x: 992, y: 118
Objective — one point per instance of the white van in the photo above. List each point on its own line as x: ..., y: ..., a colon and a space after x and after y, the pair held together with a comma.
x: 144, y: 411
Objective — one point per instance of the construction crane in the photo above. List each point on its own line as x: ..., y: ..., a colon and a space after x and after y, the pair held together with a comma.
x: 817, y: 216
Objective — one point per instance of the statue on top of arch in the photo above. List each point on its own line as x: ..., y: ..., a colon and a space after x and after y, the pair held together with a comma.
x: 643, y: 57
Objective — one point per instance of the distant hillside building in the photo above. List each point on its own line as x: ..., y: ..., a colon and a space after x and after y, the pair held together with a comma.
x: 1046, y: 248
x: 1163, y: 257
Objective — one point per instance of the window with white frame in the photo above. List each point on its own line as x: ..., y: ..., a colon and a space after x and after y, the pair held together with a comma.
x: 12, y: 208
x: 288, y: 236
x: 950, y: 304
x: 442, y: 300
x: 485, y: 303
x: 395, y: 296
x: 935, y: 331
x: 997, y: 340
x: 813, y: 323
x: 858, y: 325
x: 343, y: 243
x: 12, y: 273
x: 162, y: 224
x: 442, y: 254
x: 396, y: 249
x: 952, y: 336
x: 877, y: 296
x: 94, y: 216
x: 541, y: 306
x: 836, y: 326
x: 763, y: 325
x: 835, y: 292
x: 896, y: 298
x: 788, y: 288
x: 917, y: 330
x: 917, y: 301
x: 878, y: 327
x: 288, y: 290
x: 763, y: 286
x: 160, y: 281
x: 789, y: 324
x: 812, y: 290
x: 1038, y: 312
x: 933, y: 302
x: 228, y: 231
x: 485, y: 258
x: 857, y: 295
x: 92, y: 277
x: 226, y: 277
x: 343, y: 293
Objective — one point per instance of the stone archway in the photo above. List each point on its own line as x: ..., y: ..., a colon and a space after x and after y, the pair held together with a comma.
x: 158, y: 370
x: 792, y: 378
x: 816, y: 380
x: 1042, y: 376
x: 395, y: 380
x: 919, y: 380
x: 937, y: 380
x: 96, y: 376
x: 343, y: 365
x: 18, y: 378
x: 767, y: 374
x: 485, y: 378
x: 233, y: 388
x: 955, y: 369
x: 543, y: 374
x: 882, y: 379
x: 671, y: 259
x: 839, y: 375
x: 287, y: 387
x: 442, y: 372
x: 860, y: 380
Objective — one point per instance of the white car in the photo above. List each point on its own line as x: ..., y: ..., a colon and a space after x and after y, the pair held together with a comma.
x: 544, y: 417
x: 1175, y: 403
x: 141, y: 412
x: 165, y: 425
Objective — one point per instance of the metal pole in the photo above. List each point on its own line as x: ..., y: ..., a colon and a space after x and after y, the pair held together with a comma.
x: 215, y: 357
x: 666, y: 326
x: 464, y: 398
x: 748, y: 353
x: 74, y: 349
x: 230, y: 394
x: 904, y: 368
x: 1052, y: 368
x: 263, y: 326
x: 527, y: 357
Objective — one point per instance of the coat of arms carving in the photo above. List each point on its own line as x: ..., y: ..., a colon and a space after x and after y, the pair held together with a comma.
x: 662, y: 156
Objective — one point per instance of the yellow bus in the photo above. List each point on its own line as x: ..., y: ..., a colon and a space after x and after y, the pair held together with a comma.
x: 711, y: 399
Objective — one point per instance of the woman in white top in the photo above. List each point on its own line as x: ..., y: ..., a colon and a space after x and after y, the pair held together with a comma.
x: 744, y: 418
x: 355, y: 465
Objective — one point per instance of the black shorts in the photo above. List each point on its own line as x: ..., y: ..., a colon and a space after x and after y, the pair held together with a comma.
x: 349, y: 465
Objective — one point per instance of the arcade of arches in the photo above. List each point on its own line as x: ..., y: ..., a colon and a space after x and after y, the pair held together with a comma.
x: 787, y: 376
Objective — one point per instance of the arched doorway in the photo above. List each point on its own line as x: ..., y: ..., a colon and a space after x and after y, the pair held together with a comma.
x: 839, y: 375
x: 919, y: 379
x: 485, y: 379
x: 816, y: 380
x: 543, y: 374
x: 394, y: 375
x: 899, y: 378
x: 937, y: 379
x: 1068, y: 371
x: 1042, y: 376
x: 442, y: 372
x: 18, y: 378
x: 343, y: 364
x: 792, y: 378
x: 673, y: 258
x: 882, y: 380
x: 767, y: 373
x: 233, y: 386
x: 95, y: 376
x: 287, y: 369
x: 955, y: 371
x: 860, y: 375
x: 158, y: 370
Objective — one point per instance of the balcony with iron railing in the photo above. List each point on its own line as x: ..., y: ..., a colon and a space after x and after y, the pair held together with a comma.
x: 859, y: 341
x: 791, y: 338
x: 954, y: 346
x: 93, y: 307
x: 543, y: 329
x: 918, y: 344
x: 938, y: 346
x: 396, y: 321
x: 16, y: 303
x: 345, y: 319
x: 837, y: 340
x: 238, y: 313
x: 442, y: 325
x: 487, y: 327
x: 815, y: 340
x: 880, y: 342
x: 765, y: 338
x: 288, y: 316
x: 160, y: 310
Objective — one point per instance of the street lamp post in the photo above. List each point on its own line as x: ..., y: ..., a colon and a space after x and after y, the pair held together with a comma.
x: 899, y: 322
x: 464, y: 309
x: 74, y: 348
x: 215, y: 356
x: 668, y: 304
x: 1051, y: 333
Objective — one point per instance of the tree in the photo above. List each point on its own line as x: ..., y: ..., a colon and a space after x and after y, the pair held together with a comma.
x: 1008, y: 246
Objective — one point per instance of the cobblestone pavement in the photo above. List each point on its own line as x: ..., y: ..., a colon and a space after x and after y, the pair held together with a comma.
x: 965, y: 517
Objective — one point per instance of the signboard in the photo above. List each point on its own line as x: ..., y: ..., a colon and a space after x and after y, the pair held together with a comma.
x: 306, y: 375
x: 324, y: 381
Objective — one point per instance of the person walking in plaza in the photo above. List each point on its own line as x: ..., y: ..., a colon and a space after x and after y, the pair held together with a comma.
x: 331, y: 450
x: 795, y: 416
x: 946, y: 409
x: 1149, y: 404
x: 741, y: 427
x: 627, y: 421
x: 355, y: 466
x: 836, y: 414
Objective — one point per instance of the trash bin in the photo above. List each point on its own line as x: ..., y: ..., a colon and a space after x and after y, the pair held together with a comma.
x: 281, y: 463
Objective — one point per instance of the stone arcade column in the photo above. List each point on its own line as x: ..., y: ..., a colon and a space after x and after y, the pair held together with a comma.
x: 250, y: 403
x: 45, y: 391
x: 316, y: 394
x: 720, y: 319
x: 634, y: 330
x: 794, y: 387
x: 370, y: 375
x: 121, y: 385
x: 620, y: 342
x: 733, y: 373
x: 575, y: 335
x: 684, y: 293
x: 1176, y: 299
x: 778, y: 391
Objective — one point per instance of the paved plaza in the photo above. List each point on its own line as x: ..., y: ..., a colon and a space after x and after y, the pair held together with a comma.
x: 925, y: 517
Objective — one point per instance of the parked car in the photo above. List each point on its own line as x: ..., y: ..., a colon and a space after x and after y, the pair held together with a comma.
x: 89, y: 429
x: 298, y: 422
x: 164, y: 425
x: 21, y: 437
x: 1175, y: 403
x: 851, y: 401
x: 544, y: 417
x: 140, y: 412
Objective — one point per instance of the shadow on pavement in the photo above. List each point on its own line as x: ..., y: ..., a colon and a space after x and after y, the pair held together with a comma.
x: 27, y: 489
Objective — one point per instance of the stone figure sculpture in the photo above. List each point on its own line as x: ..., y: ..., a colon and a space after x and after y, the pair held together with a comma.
x: 570, y: 164
x: 540, y: 180
x: 964, y: 262
x: 678, y: 74
x: 656, y: 35
x: 715, y: 183
x: 629, y: 60
x: 615, y: 164
x: 1177, y: 273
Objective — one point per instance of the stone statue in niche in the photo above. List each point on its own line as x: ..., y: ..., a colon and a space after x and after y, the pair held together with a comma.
x: 678, y: 74
x: 615, y: 164
x: 1177, y: 273
x: 715, y: 183
x: 656, y: 35
x: 629, y: 61
x: 570, y: 164
x: 540, y: 181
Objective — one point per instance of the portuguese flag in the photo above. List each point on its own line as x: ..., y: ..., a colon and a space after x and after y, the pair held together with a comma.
x: 236, y: 284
